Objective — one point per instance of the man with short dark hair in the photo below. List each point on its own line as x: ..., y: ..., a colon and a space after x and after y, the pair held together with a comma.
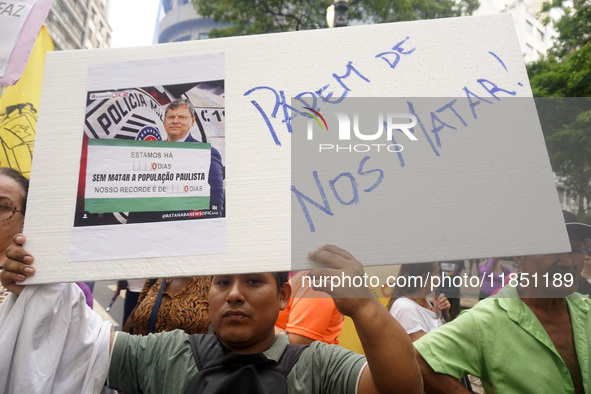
x: 245, y: 355
x: 533, y: 336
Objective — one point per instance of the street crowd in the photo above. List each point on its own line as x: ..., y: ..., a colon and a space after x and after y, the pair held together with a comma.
x: 270, y: 333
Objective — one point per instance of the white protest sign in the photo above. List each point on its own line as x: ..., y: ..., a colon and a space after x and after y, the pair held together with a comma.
x: 476, y: 182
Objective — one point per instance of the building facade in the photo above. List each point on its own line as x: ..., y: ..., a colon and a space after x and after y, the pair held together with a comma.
x: 178, y: 21
x: 534, y: 38
x: 79, y: 24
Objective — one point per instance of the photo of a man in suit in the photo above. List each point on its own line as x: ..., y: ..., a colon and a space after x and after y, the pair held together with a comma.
x: 178, y: 120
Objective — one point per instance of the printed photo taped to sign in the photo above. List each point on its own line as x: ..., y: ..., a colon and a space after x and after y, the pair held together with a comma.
x: 150, y: 154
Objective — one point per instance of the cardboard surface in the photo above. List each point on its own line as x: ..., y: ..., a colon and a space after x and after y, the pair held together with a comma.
x: 435, y: 58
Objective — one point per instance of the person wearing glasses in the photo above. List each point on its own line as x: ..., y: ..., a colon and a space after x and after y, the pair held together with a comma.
x: 13, y: 199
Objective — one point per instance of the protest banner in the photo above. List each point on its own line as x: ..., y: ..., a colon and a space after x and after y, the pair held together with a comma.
x: 457, y: 168
x: 19, y: 106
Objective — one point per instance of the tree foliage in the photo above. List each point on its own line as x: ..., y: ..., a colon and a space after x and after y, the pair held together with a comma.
x: 246, y: 17
x: 570, y: 150
x: 566, y: 73
x: 574, y: 27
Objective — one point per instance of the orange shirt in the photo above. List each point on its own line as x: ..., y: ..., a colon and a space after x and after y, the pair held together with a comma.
x: 310, y: 313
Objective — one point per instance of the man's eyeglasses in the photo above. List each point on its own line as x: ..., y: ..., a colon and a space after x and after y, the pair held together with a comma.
x: 179, y: 117
x: 7, y: 210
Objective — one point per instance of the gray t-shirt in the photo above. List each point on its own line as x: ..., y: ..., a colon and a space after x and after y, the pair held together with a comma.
x: 164, y: 363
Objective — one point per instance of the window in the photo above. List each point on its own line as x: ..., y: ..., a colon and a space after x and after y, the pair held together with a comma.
x: 203, y: 36
x: 529, y: 27
x: 540, y: 35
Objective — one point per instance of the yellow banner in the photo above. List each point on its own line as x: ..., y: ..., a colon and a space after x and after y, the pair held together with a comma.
x: 19, y: 106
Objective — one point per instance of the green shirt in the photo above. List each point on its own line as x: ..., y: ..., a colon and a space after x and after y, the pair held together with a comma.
x: 501, y: 341
x: 164, y: 363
